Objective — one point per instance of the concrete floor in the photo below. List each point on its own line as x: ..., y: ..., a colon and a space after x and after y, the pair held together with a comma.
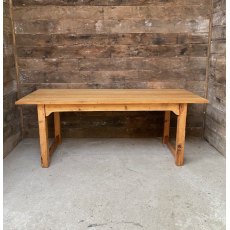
x: 121, y: 184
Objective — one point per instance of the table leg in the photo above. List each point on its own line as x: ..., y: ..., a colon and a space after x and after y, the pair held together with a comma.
x: 180, y: 135
x: 43, y: 133
x: 57, y: 127
x: 166, y: 127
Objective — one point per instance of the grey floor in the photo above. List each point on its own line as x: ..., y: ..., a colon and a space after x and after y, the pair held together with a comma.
x: 121, y: 184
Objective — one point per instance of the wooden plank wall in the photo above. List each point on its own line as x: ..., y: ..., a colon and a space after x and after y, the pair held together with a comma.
x: 112, y: 44
x: 11, y: 115
x: 215, y: 124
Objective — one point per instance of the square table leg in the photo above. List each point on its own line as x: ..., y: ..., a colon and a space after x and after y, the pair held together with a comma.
x: 43, y: 133
x: 180, y: 135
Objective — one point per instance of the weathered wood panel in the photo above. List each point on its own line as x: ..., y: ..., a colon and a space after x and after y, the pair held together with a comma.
x: 41, y: 40
x: 113, y: 44
x: 11, y: 115
x: 80, y: 26
x: 113, y: 51
x: 215, y: 122
x: 107, y: 2
x: 102, y: 77
x: 111, y: 13
x: 69, y: 12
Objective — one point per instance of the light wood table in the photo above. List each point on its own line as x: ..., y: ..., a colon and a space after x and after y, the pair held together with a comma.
x: 65, y: 100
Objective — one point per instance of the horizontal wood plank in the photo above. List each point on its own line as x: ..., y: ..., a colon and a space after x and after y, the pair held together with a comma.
x: 44, y: 40
x: 111, y: 26
x: 103, y: 51
x: 115, y: 78
x: 110, y: 13
x: 107, y: 2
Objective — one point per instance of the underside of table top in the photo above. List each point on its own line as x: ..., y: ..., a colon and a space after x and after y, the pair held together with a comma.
x: 110, y: 96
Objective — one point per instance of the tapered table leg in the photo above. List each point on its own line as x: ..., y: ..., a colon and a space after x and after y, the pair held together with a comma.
x: 43, y: 133
x: 180, y: 135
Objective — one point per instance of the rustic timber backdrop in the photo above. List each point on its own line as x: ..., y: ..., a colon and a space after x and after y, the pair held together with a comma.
x: 215, y: 129
x: 12, y: 130
x: 117, y: 44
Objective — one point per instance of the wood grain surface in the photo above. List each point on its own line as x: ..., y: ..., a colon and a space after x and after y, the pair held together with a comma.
x: 110, y: 96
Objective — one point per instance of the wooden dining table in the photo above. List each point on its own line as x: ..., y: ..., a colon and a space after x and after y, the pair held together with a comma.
x: 71, y: 100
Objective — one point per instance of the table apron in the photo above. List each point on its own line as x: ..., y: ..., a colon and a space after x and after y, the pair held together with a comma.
x: 50, y: 108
